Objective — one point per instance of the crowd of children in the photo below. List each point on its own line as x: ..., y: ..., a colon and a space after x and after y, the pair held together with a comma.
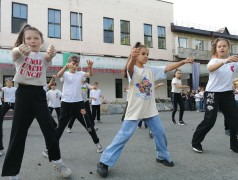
x: 29, y: 102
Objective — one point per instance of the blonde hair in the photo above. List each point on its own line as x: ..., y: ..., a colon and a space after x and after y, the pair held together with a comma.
x: 214, y: 45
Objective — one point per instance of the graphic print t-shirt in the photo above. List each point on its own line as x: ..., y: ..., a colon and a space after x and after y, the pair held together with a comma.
x: 141, y: 101
x: 31, y: 69
x: 221, y: 79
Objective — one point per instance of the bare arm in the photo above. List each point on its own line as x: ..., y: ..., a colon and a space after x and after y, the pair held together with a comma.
x: 17, y: 52
x: 158, y: 85
x: 179, y: 86
x: 61, y: 72
x: 178, y: 64
x: 132, y: 61
x: 216, y: 66
x: 52, y: 81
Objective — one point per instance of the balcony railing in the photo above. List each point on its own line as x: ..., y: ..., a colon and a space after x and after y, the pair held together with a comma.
x: 194, y: 53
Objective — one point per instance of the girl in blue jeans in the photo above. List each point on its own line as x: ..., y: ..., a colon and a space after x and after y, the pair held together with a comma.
x: 141, y: 105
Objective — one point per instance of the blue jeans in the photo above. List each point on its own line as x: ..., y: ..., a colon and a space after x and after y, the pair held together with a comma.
x: 113, y: 151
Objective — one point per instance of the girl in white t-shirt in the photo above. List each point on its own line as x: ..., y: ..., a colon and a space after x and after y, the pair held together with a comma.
x: 219, y: 94
x: 141, y: 105
x: 31, y: 65
x: 197, y: 100
x: 176, y: 97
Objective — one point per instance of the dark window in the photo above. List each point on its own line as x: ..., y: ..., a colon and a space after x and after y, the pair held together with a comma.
x: 148, y: 35
x: 161, y: 38
x: 76, y: 26
x: 54, y: 23
x: 169, y: 87
x: 118, y: 88
x: 19, y: 16
x: 108, y: 27
x: 125, y: 32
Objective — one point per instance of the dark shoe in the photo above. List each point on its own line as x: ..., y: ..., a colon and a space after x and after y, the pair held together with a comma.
x: 173, y: 121
x: 151, y: 134
x: 182, y: 123
x: 102, y: 169
x: 235, y: 151
x: 165, y: 162
x: 198, y: 148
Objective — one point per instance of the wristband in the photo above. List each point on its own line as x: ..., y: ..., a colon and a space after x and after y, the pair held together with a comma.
x: 225, y: 61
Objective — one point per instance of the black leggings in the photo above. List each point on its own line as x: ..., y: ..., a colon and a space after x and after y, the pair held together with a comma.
x: 177, y: 99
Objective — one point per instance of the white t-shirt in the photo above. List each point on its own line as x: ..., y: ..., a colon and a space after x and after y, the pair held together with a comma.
x: 197, y: 97
x: 31, y: 69
x: 236, y: 94
x: 174, y: 89
x: 71, y: 91
x: 127, y: 94
x: 141, y: 101
x: 84, y: 90
x: 54, y: 98
x: 96, y: 94
x: 221, y: 79
x: 9, y: 94
x: 0, y: 97
x: 201, y: 93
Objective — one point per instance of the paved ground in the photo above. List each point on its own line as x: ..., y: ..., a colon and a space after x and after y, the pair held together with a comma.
x: 138, y: 158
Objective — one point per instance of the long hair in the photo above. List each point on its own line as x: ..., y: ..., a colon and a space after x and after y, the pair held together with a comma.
x: 137, y: 45
x: 20, y: 38
x: 214, y: 45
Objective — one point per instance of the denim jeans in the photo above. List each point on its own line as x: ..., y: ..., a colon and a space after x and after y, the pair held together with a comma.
x: 113, y: 151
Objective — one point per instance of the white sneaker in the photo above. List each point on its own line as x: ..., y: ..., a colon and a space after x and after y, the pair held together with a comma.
x: 2, y: 152
x: 14, y: 177
x: 45, y: 153
x: 99, y: 148
x: 64, y: 171
x: 69, y: 130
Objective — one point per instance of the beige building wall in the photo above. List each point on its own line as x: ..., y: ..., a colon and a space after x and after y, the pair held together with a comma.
x: 138, y: 12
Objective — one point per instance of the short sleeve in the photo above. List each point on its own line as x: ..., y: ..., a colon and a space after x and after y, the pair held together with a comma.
x: 159, y: 72
x: 211, y: 62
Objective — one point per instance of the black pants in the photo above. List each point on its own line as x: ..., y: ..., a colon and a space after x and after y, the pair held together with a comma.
x: 124, y: 113
x: 226, y: 102
x: 140, y: 124
x: 75, y: 110
x: 5, y: 107
x: 30, y: 103
x: 177, y: 99
x: 57, y: 112
x: 88, y: 111
x: 96, y: 110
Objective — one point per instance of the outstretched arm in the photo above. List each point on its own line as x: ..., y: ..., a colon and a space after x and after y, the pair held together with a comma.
x: 50, y: 53
x: 158, y: 85
x: 132, y: 61
x: 216, y: 66
x: 178, y: 64
x: 21, y: 50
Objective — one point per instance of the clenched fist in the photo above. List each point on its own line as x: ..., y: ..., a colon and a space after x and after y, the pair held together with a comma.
x: 24, y: 50
x: 51, y: 51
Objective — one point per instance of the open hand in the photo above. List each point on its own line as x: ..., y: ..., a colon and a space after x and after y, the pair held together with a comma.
x: 90, y: 63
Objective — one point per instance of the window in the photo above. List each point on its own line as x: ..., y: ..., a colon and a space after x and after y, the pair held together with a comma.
x: 0, y: 15
x: 125, y: 32
x: 76, y: 26
x: 182, y: 42
x: 19, y: 16
x: 234, y: 49
x: 161, y: 38
x: 118, y: 88
x: 148, y: 35
x: 108, y: 26
x: 198, y: 44
x: 54, y: 23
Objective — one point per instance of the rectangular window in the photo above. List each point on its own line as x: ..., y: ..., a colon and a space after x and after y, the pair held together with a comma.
x: 54, y: 23
x: 108, y: 28
x: 234, y: 49
x: 148, y: 35
x: 182, y: 42
x: 199, y: 44
x: 0, y: 15
x: 161, y: 38
x: 125, y: 32
x: 118, y: 88
x: 76, y: 26
x: 19, y: 16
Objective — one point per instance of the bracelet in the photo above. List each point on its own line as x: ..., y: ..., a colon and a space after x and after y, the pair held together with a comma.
x: 225, y: 61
